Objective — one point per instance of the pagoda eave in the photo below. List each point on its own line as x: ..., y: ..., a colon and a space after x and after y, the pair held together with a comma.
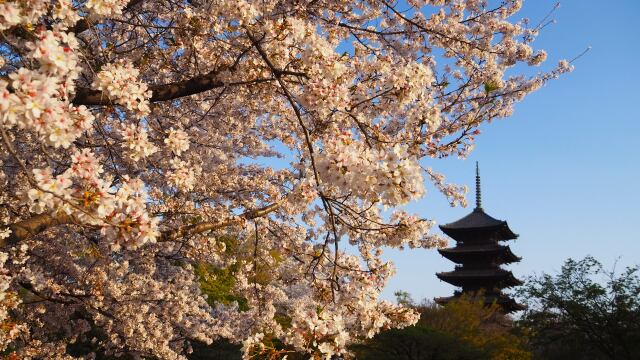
x: 476, y: 223
x: 500, y: 254
x: 499, y: 233
x: 507, y: 304
x: 464, y: 277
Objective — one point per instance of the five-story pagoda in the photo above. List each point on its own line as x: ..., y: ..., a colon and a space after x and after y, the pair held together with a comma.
x: 478, y: 255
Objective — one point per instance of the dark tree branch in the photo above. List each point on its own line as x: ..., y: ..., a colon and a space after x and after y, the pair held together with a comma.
x: 34, y: 225
x: 163, y: 92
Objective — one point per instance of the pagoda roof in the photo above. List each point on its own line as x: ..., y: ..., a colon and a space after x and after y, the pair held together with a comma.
x: 478, y: 221
x: 504, y: 301
x: 461, y: 276
x: 485, y: 251
x: 507, y: 303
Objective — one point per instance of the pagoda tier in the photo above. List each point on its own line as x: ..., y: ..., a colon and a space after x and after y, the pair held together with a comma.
x: 505, y: 302
x: 479, y: 278
x: 478, y: 227
x: 474, y: 253
x: 479, y: 255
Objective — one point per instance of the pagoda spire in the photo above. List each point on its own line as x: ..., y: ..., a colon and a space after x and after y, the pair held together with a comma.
x: 478, y: 193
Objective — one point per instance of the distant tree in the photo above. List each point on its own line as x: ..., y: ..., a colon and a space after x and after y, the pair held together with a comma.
x: 416, y: 343
x: 463, y: 329
x: 403, y: 298
x: 584, y: 312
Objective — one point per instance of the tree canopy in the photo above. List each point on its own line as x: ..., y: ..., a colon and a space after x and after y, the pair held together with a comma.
x: 136, y: 134
x: 584, y: 312
x: 463, y: 329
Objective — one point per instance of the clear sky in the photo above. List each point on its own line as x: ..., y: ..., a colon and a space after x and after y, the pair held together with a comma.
x: 564, y: 170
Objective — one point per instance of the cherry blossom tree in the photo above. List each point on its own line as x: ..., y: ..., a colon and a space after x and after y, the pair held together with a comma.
x: 136, y: 134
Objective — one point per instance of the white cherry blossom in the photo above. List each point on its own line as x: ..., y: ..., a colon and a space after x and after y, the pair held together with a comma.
x: 142, y: 142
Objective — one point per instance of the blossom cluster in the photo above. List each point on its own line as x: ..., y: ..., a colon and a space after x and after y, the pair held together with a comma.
x: 137, y: 142
x: 81, y: 192
x: 177, y: 141
x: 411, y: 80
x: 183, y: 174
x: 326, y: 329
x: 120, y: 82
x: 65, y: 12
x: 411, y: 231
x: 129, y: 224
x: 328, y: 88
x: 106, y: 7
x: 456, y: 194
x: 390, y: 176
x: 8, y: 302
x: 36, y: 99
x: 13, y: 13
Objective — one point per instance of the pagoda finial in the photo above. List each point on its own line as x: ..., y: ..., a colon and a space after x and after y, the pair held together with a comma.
x: 478, y: 194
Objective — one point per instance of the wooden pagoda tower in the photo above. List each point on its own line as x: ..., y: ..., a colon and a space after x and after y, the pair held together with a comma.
x: 478, y: 254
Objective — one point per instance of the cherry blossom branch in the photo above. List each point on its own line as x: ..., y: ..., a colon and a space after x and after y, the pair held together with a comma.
x: 178, y: 89
x: 27, y: 228
x: 202, y: 227
x: 326, y: 204
x: 34, y: 225
x: 433, y: 31
x: 170, y: 91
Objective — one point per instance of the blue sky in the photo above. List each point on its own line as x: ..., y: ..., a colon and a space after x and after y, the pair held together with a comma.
x: 564, y: 170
